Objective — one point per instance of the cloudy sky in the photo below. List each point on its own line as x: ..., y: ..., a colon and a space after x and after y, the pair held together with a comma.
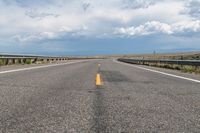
x: 93, y: 27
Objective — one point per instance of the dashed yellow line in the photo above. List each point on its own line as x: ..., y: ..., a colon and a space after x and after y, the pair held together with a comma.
x: 98, y: 80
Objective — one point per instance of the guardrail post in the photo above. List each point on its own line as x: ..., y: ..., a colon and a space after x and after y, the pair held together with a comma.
x: 24, y: 61
x: 6, y: 61
x: 10, y: 61
x: 20, y: 61
x: 16, y: 61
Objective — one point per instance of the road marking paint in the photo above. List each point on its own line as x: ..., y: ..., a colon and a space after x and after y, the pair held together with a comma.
x: 99, y: 67
x: 37, y: 67
x: 98, y: 80
x: 155, y: 71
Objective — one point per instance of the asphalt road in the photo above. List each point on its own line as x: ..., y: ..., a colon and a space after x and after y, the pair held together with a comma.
x: 65, y: 99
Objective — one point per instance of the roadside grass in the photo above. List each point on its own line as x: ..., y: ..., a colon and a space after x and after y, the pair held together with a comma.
x: 175, y: 56
x: 1, y: 62
x: 28, y: 61
x: 190, y: 69
x: 183, y: 68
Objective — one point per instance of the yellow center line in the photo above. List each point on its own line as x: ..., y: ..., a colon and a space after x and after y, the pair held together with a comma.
x: 98, y: 80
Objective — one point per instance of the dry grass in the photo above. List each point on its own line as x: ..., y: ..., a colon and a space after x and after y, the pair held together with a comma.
x: 183, y: 68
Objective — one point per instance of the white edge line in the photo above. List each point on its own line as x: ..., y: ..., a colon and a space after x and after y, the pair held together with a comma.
x: 37, y: 67
x: 155, y: 71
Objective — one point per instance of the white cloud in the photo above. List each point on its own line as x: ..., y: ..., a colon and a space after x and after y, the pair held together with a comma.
x: 192, y: 7
x: 48, y: 19
x: 137, y: 4
x: 33, y: 37
x: 192, y: 26
x: 155, y: 27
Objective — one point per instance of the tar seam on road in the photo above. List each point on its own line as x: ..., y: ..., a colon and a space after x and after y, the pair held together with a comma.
x: 31, y: 68
x: 100, y: 114
x: 155, y: 71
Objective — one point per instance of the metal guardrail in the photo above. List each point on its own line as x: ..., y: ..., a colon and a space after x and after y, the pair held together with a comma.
x: 28, y: 56
x: 162, y: 61
x: 6, y: 59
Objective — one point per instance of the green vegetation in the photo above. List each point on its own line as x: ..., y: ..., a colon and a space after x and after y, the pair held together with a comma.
x: 28, y: 61
x: 1, y: 62
x: 190, y: 69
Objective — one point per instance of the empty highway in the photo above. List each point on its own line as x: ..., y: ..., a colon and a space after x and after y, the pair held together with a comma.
x: 64, y: 98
